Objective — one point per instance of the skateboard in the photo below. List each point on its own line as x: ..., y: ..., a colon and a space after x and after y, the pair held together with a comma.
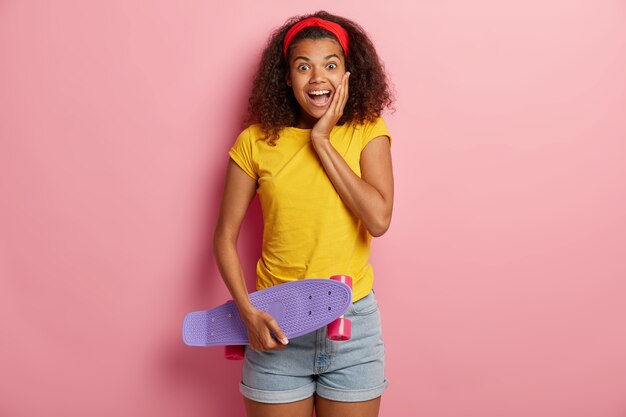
x: 299, y: 307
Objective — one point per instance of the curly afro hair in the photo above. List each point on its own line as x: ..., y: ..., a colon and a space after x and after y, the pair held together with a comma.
x: 272, y: 103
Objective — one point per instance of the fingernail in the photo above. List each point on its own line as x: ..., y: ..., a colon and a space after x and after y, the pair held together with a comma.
x: 284, y: 341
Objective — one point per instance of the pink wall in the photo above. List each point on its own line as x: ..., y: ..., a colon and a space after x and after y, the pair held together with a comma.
x: 502, y: 279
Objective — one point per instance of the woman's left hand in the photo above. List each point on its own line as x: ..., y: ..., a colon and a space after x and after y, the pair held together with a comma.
x: 321, y: 129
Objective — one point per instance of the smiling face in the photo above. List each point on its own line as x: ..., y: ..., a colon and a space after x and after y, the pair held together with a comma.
x: 316, y: 67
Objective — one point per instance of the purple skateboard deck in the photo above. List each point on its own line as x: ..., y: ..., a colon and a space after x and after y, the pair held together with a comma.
x: 299, y: 307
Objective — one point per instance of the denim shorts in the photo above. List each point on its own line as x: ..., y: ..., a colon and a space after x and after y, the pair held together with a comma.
x: 348, y: 371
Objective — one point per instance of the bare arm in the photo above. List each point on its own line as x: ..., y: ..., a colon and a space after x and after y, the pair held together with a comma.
x: 370, y: 197
x: 239, y: 191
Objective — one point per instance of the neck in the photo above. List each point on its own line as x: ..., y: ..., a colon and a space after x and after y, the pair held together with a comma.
x: 306, y: 122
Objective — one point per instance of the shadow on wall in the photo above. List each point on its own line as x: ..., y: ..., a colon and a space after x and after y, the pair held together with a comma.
x: 201, y: 375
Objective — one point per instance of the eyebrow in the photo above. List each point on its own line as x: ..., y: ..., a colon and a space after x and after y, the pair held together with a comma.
x: 326, y: 58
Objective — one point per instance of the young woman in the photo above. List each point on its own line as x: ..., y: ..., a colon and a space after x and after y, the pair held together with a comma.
x: 317, y: 152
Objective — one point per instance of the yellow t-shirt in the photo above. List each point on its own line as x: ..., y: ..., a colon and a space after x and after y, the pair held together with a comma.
x: 308, y: 231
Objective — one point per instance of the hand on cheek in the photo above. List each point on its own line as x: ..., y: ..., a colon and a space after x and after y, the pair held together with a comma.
x: 325, y: 124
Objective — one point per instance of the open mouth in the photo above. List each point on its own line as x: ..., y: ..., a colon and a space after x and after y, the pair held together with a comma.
x: 320, y: 97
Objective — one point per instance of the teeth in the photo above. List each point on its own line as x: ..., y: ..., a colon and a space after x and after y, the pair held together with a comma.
x: 319, y: 92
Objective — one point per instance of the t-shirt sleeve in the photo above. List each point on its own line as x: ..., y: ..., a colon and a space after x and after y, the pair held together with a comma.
x: 242, y: 154
x: 373, y: 130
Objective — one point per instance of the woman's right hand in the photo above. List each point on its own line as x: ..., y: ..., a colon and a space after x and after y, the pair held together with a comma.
x: 263, y: 331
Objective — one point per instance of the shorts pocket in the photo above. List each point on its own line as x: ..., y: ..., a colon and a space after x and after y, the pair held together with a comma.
x: 365, y: 306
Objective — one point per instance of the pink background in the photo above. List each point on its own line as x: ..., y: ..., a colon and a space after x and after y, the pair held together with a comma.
x: 501, y: 281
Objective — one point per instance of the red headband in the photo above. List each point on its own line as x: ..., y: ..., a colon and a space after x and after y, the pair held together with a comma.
x: 332, y: 27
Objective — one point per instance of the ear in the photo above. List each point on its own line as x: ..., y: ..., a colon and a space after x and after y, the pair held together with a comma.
x: 288, y: 80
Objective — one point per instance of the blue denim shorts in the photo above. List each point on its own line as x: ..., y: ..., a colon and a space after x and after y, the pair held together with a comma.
x: 348, y: 371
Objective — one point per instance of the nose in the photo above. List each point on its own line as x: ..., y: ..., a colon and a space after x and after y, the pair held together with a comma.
x: 317, y: 75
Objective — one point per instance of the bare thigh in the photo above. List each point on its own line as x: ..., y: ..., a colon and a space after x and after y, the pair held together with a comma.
x: 328, y: 408
x: 302, y: 408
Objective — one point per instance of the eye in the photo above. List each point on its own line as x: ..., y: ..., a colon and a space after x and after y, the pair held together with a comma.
x: 331, y: 66
x: 303, y: 67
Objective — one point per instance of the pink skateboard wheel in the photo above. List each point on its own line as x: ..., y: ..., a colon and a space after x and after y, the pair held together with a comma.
x: 340, y: 329
x: 234, y: 352
x: 343, y: 278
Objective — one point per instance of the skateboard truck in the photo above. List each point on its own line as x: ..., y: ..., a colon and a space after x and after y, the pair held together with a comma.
x: 338, y: 330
